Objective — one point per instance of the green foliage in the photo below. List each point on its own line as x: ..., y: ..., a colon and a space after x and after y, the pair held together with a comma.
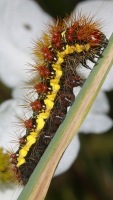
x: 6, y: 174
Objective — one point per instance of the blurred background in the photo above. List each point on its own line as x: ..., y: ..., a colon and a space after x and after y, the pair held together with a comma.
x: 91, y: 175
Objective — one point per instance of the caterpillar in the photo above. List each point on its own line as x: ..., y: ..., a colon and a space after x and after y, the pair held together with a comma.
x: 57, y: 57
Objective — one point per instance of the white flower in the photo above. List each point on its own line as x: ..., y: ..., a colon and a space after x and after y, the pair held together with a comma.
x: 21, y: 22
x: 9, y: 192
x: 7, y: 111
x: 97, y: 120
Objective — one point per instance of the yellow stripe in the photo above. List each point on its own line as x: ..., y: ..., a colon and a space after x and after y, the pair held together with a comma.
x: 45, y: 114
x: 49, y: 101
x: 40, y: 123
x: 51, y: 96
x: 21, y: 161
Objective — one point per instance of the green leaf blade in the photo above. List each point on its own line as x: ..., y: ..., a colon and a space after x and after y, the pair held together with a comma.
x: 40, y: 179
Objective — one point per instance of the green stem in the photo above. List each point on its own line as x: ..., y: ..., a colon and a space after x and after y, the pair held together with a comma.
x: 40, y: 179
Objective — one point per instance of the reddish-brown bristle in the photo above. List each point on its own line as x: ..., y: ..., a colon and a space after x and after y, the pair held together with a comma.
x: 95, y: 38
x: 56, y: 39
x: 15, y: 169
x: 13, y: 155
x: 22, y: 140
x: 14, y: 161
x: 47, y: 53
x: 40, y: 88
x: 71, y: 30
x: 69, y: 33
x: 28, y: 123
x: 56, y: 27
x: 44, y: 71
x: 18, y: 177
x: 36, y: 105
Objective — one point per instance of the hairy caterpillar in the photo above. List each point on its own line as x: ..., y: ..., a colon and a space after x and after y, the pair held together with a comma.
x: 58, y: 55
